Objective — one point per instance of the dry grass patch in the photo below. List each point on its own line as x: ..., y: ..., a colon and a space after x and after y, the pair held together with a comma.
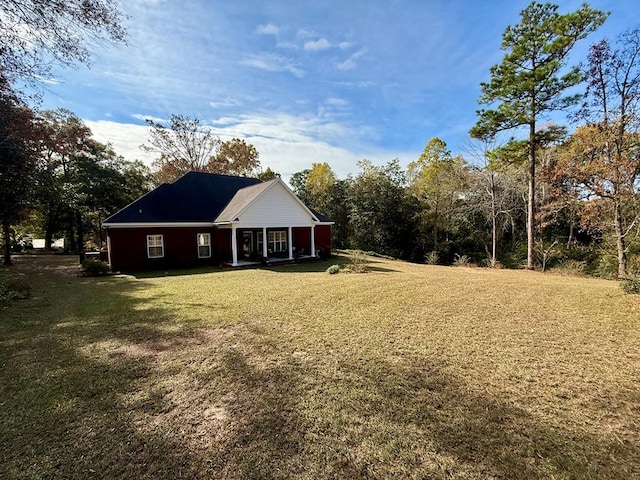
x: 409, y: 371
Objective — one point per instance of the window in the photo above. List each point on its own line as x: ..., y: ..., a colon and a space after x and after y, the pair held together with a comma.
x: 277, y: 241
x: 259, y: 243
x: 204, y: 245
x: 155, y: 246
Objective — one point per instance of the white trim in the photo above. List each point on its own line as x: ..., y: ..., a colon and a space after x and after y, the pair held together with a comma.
x: 271, y: 238
x: 234, y: 246
x: 158, y: 225
x: 264, y: 242
x: 193, y: 224
x: 161, y: 246
x: 313, y: 241
x: 208, y: 244
x: 290, y: 241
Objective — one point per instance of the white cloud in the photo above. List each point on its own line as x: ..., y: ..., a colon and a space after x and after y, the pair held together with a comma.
x: 286, y: 143
x: 336, y: 102
x: 125, y: 138
x: 273, y: 63
x: 144, y: 118
x: 350, y: 63
x: 227, y: 102
x: 268, y: 29
x: 317, y: 45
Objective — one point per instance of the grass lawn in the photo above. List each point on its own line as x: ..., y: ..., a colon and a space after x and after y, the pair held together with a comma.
x: 409, y: 371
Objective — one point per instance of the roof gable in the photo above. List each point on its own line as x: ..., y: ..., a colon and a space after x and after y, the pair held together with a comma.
x: 242, y: 198
x: 271, y: 204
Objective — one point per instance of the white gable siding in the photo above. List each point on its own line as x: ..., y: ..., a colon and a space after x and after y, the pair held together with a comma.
x: 275, y: 208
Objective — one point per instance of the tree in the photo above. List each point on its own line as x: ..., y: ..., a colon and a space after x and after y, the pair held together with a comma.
x: 268, y: 174
x: 16, y: 163
x: 603, y: 157
x: 298, y: 182
x: 493, y: 194
x: 102, y: 183
x: 338, y: 211
x: 184, y: 145
x: 235, y: 157
x: 437, y: 179
x: 33, y: 32
x: 330, y: 196
x: 61, y: 137
x: 530, y: 80
x: 603, y: 169
x: 319, y: 182
x: 381, y: 215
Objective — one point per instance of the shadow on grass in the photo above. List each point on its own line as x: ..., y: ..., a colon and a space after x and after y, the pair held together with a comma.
x: 421, y: 419
x: 309, y: 266
x: 64, y: 387
x: 85, y: 394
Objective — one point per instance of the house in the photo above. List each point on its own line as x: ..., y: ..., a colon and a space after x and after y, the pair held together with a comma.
x: 205, y: 218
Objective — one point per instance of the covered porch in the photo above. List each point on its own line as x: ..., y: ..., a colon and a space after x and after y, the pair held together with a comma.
x: 271, y: 245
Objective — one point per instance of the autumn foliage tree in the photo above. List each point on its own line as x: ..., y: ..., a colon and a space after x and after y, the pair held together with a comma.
x: 605, y: 178
x: 235, y: 157
x: 185, y: 145
x: 601, y: 162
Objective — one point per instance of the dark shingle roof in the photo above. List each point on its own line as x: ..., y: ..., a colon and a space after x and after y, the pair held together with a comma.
x: 321, y: 217
x: 195, y: 197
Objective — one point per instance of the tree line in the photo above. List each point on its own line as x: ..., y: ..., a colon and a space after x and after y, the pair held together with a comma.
x: 549, y: 195
x: 56, y: 180
x: 569, y: 199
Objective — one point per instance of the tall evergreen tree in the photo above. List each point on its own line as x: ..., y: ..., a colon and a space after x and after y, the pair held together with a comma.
x: 532, y: 79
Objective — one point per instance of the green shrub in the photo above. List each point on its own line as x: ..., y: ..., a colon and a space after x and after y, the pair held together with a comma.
x: 12, y: 289
x: 333, y: 269
x: 94, y: 268
x: 631, y: 285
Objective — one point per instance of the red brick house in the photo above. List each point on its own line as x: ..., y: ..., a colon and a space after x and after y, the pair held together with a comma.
x: 205, y: 218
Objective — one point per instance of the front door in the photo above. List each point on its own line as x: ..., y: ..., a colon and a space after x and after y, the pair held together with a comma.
x: 247, y: 244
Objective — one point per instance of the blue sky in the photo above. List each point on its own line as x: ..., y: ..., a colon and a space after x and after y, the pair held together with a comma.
x: 304, y: 81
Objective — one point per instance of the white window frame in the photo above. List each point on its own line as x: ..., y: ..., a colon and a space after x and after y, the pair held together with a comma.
x: 277, y: 240
x: 155, y: 242
x: 200, y: 244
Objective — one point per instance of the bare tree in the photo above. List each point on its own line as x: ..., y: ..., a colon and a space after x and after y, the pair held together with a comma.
x: 34, y: 32
x: 185, y: 145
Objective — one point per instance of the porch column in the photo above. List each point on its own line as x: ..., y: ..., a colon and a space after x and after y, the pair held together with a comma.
x: 313, y: 240
x: 234, y: 246
x: 264, y: 242
x: 290, y: 242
